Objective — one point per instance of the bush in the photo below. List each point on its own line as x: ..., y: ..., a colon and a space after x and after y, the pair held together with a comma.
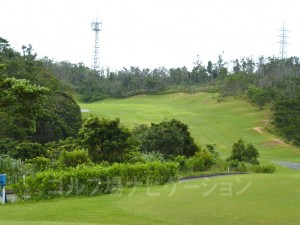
x: 90, y: 180
x: 181, y: 160
x: 27, y: 150
x: 73, y: 159
x: 263, y: 169
x: 13, y: 168
x: 105, y: 139
x: 201, y: 161
x: 38, y: 164
x: 194, y: 164
x: 243, y: 153
x: 237, y: 166
x: 152, y: 157
x: 170, y: 137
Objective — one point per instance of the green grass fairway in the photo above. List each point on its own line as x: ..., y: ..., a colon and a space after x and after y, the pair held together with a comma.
x: 240, y: 199
x: 209, y: 121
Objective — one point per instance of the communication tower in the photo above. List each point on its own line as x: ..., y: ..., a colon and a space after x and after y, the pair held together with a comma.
x: 96, y: 27
x: 283, y: 42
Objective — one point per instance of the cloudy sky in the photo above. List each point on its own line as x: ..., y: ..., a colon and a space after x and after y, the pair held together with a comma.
x: 150, y: 33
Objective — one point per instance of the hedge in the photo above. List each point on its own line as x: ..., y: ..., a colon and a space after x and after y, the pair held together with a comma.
x: 91, y: 180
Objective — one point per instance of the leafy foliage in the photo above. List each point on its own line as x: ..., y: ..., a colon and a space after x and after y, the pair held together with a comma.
x: 13, y: 168
x: 38, y: 164
x: 34, y: 105
x: 287, y: 118
x: 27, y: 150
x: 171, y: 138
x: 86, y: 180
x: 243, y: 153
x: 73, y: 158
x: 105, y: 140
x: 20, y: 104
x: 264, y: 168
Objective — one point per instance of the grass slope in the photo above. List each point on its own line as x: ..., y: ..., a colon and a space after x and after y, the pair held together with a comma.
x: 210, y: 121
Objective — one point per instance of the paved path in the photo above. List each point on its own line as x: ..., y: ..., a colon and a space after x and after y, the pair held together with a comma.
x: 294, y: 166
x: 186, y: 179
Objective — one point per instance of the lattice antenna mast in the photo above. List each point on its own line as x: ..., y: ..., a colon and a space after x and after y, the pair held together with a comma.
x: 283, y: 42
x: 96, y: 27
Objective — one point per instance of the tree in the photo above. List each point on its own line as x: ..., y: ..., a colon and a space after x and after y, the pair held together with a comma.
x: 105, y: 139
x: 171, y: 138
x: 287, y: 118
x: 20, y: 104
x: 261, y: 96
x: 243, y: 153
x: 61, y: 119
x: 234, y: 85
x: 57, y: 118
x: 27, y: 150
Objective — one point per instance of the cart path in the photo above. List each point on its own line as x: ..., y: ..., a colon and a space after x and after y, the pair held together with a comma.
x: 291, y: 165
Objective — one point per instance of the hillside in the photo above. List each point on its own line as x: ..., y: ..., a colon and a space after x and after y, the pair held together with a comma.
x: 209, y: 120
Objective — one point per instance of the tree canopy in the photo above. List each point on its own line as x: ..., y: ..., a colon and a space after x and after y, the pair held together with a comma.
x: 105, y: 139
x: 170, y: 137
x: 34, y: 105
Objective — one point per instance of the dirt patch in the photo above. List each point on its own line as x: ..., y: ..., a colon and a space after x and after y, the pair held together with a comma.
x: 273, y: 143
x: 258, y: 130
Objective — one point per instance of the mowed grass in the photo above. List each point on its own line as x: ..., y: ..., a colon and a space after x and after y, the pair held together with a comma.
x: 210, y: 121
x: 271, y: 199
x: 239, y: 199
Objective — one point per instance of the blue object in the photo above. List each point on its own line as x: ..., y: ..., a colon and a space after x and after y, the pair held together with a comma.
x: 2, y: 180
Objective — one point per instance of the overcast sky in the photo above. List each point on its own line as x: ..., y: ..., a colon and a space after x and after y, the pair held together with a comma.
x: 151, y: 33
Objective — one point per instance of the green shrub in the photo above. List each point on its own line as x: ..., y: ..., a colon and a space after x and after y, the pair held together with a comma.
x: 152, y: 157
x: 237, y: 166
x: 27, y: 150
x: 263, y: 168
x: 244, y: 153
x: 38, y: 163
x: 194, y: 164
x: 13, y: 168
x: 208, y: 157
x: 74, y: 158
x: 181, y: 160
x: 90, y: 180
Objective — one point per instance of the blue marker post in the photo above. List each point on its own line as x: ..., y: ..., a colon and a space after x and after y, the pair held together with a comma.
x: 2, y: 186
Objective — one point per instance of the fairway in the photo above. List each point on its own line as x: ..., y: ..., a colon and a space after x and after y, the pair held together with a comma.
x: 221, y: 123
x: 261, y: 199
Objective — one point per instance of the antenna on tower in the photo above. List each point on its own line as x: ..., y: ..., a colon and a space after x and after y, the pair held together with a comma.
x: 283, y: 41
x: 96, y: 27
